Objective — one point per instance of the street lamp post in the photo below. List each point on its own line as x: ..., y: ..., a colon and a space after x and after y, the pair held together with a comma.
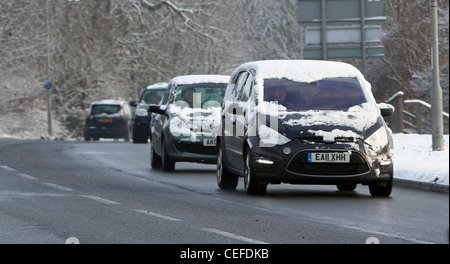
x: 436, y: 90
x: 48, y: 85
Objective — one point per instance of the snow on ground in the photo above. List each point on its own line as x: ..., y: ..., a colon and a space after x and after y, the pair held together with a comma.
x: 415, y: 160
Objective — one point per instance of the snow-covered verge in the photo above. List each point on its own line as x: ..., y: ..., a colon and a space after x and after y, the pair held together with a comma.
x: 28, y: 125
x: 415, y: 160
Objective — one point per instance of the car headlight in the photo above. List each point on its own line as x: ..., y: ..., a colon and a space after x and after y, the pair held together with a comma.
x: 141, y: 112
x: 269, y: 137
x: 378, y: 140
x: 178, y: 127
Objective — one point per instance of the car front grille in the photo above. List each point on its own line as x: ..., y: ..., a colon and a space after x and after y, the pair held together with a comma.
x: 300, y: 165
x: 195, y: 148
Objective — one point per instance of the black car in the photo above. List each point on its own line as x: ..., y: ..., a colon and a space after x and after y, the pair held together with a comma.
x: 141, y: 119
x: 108, y: 119
x: 303, y: 122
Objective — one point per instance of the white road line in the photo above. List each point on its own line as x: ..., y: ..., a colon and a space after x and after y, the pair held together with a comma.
x: 165, y: 217
x: 233, y: 236
x: 7, y: 168
x: 26, y: 176
x: 99, y: 199
x: 59, y: 187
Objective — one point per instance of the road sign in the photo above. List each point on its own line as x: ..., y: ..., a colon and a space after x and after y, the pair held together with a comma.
x: 342, y: 29
x: 48, y: 86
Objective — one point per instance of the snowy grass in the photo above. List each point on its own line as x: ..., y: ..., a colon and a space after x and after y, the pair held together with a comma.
x: 415, y: 159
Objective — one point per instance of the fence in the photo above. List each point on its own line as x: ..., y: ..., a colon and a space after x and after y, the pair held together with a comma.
x: 412, y: 116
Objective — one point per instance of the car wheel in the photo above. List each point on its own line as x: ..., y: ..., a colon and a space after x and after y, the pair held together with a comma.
x: 138, y: 136
x: 155, y: 159
x: 346, y: 187
x: 377, y: 190
x: 251, y: 184
x: 225, y: 179
x: 167, y: 164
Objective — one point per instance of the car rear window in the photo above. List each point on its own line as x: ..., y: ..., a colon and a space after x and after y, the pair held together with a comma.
x: 105, y: 109
x: 326, y: 94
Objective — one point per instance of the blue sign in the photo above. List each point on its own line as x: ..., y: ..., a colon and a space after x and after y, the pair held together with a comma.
x: 48, y: 86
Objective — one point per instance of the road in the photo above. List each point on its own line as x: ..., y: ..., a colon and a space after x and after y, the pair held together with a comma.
x: 106, y: 193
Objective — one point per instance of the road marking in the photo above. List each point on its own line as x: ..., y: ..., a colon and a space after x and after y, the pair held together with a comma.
x: 99, y: 199
x: 59, y: 187
x: 8, y: 168
x: 165, y: 217
x: 26, y: 176
x: 233, y: 236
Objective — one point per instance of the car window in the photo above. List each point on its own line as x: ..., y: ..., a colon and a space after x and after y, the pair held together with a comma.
x: 239, y: 84
x: 326, y: 94
x: 247, y: 89
x: 105, y: 109
x: 167, y: 95
x: 152, y: 96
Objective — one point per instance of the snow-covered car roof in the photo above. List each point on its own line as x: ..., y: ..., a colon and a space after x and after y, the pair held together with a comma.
x: 157, y: 85
x: 109, y: 101
x: 193, y: 79
x: 301, y: 71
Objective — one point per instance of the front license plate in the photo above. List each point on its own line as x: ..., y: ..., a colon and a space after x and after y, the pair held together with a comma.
x: 327, y: 157
x: 209, y: 142
x: 105, y: 120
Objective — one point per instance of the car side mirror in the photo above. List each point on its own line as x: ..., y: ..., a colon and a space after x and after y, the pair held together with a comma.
x: 133, y: 103
x: 157, y: 109
x: 386, y: 109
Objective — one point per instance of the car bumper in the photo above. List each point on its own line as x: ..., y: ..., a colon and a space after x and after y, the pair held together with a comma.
x: 106, y: 133
x: 271, y: 165
x: 189, y: 150
x: 142, y: 122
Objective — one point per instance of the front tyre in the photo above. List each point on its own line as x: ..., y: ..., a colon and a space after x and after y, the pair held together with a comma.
x: 251, y: 184
x: 167, y: 163
x: 381, y: 190
x: 225, y: 179
x: 155, y: 159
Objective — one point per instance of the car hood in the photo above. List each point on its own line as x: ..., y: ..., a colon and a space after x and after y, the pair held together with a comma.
x: 357, y: 122
x: 195, y: 120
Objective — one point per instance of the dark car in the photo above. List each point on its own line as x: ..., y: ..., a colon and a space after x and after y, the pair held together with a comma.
x: 184, y: 126
x: 141, y: 119
x: 303, y: 122
x: 108, y: 119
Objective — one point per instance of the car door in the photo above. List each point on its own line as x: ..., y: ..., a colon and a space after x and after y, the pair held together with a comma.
x: 244, y: 108
x: 157, y: 123
x: 231, y: 151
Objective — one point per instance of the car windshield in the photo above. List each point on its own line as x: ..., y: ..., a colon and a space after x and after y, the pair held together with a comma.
x: 105, y: 109
x: 152, y: 96
x: 197, y: 94
x: 326, y: 94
